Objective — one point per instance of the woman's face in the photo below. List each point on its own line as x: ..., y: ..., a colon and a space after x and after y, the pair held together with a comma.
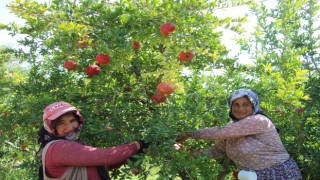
x: 66, y: 124
x: 242, y: 107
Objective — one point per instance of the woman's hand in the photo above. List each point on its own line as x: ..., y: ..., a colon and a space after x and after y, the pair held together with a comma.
x: 183, y: 137
x: 180, y: 147
x: 141, y: 145
x: 137, y: 144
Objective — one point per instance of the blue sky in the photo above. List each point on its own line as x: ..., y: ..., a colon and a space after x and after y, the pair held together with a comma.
x: 5, y: 18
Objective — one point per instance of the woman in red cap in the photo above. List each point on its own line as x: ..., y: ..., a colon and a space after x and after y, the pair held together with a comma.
x: 65, y: 157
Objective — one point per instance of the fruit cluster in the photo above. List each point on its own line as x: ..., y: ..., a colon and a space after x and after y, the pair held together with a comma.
x: 91, y: 70
x: 165, y: 29
x: 164, y: 89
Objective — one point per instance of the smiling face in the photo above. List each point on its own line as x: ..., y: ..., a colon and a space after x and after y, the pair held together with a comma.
x: 242, y: 107
x: 66, y: 124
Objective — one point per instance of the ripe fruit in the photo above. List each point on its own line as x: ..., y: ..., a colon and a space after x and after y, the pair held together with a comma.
x: 85, y: 41
x: 191, y: 152
x: 92, y: 70
x: 186, y: 56
x: 108, y: 128
x: 70, y: 64
x: 300, y: 110
x: 86, y: 37
x: 166, y: 29
x: 23, y: 146
x: 127, y: 89
x: 235, y: 174
x: 135, y: 171
x: 165, y: 88
x: 82, y: 44
x: 136, y: 45
x: 34, y: 123
x: 159, y: 98
x: 102, y: 58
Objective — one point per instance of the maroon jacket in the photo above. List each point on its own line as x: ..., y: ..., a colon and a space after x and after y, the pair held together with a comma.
x: 65, y: 153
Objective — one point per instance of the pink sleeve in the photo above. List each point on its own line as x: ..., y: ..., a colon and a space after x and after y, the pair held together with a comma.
x: 254, y: 124
x: 216, y: 151
x: 69, y: 153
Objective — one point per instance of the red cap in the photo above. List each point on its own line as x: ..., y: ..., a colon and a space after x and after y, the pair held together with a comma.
x: 55, y: 110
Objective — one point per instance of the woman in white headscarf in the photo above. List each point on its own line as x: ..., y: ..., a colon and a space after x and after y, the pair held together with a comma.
x: 250, y: 140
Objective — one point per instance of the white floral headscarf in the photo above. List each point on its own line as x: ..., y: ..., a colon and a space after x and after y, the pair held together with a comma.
x: 252, y: 96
